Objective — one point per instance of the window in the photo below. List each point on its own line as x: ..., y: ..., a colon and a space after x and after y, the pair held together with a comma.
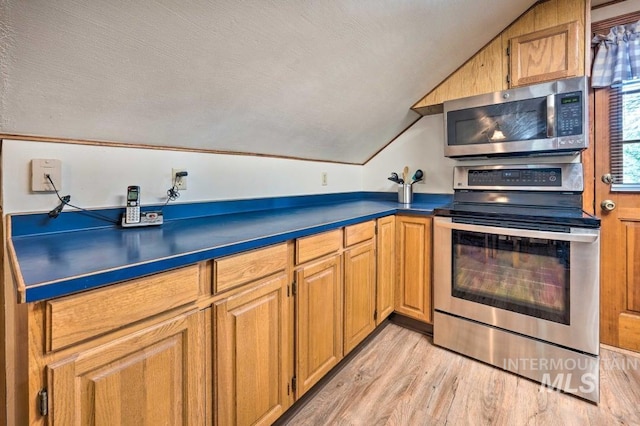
x: 625, y: 136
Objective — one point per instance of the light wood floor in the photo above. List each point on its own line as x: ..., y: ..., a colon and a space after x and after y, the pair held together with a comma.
x: 401, y: 378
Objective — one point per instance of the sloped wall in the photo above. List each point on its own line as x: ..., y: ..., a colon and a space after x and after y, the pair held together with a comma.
x: 98, y: 176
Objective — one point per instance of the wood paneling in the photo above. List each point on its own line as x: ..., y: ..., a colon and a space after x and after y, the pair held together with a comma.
x: 233, y: 271
x: 79, y: 317
x: 481, y: 74
x: 386, y: 267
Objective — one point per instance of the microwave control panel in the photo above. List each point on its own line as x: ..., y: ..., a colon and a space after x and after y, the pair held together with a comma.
x: 569, y: 114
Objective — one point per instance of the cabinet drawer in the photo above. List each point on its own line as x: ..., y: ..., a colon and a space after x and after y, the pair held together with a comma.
x: 73, y: 319
x: 239, y: 269
x: 355, y: 234
x: 314, y: 246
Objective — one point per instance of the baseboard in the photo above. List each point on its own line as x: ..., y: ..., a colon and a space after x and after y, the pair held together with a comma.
x: 412, y: 324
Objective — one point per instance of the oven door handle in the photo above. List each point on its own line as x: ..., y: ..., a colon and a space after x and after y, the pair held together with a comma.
x: 525, y: 233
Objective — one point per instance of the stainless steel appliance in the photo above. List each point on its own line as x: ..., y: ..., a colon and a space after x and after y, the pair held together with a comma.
x: 516, y: 274
x: 540, y: 119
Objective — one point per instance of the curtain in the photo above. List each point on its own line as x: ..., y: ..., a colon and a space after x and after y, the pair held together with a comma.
x: 617, y: 55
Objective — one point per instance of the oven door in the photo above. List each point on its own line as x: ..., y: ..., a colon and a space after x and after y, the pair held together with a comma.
x: 542, y: 283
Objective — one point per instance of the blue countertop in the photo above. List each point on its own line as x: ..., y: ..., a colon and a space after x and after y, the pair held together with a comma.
x: 59, y: 258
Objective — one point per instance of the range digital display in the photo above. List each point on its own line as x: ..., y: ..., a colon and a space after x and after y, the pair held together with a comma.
x: 511, y: 174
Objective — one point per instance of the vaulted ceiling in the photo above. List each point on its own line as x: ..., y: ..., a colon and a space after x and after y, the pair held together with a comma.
x: 328, y: 80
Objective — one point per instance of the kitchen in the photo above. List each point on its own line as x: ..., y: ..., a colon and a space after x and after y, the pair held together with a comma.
x: 92, y: 185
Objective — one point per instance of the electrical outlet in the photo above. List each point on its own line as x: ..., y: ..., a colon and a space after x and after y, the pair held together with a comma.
x: 324, y: 178
x: 40, y: 168
x: 180, y: 181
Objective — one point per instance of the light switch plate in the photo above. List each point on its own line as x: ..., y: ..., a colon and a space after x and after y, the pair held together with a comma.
x: 40, y: 168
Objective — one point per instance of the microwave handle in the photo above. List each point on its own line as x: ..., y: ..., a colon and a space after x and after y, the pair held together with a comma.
x: 525, y: 233
x: 551, y: 116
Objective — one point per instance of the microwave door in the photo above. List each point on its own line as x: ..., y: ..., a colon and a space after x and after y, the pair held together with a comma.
x: 500, y: 123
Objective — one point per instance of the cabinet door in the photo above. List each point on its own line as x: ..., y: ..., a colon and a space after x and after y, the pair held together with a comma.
x: 413, y: 290
x: 386, y: 267
x: 153, y: 376
x: 252, y: 354
x: 359, y: 293
x: 545, y: 55
x: 318, y: 321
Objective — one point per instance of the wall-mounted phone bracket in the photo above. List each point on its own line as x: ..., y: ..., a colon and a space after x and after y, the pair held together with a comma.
x: 146, y: 219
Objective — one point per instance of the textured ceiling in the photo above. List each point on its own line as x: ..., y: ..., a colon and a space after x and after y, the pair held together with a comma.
x: 329, y: 80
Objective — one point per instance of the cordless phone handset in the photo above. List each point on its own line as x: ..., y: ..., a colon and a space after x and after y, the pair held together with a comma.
x: 132, y: 214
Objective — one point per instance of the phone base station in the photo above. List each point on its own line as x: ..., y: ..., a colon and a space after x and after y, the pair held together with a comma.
x: 146, y: 219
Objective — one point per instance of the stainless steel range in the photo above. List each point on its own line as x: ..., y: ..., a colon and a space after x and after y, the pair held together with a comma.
x: 516, y: 274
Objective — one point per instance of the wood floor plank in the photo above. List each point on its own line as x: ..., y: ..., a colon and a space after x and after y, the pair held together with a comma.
x: 401, y: 378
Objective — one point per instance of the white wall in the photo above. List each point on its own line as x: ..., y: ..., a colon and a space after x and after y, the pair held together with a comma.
x: 420, y: 147
x: 97, y: 176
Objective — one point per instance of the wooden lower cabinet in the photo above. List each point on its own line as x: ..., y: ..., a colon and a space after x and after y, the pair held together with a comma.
x: 413, y: 251
x: 252, y: 354
x: 180, y: 353
x: 150, y: 377
x: 386, y: 267
x: 359, y: 293
x: 318, y: 320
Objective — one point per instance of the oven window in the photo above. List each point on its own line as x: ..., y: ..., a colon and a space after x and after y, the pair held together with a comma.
x: 525, y: 275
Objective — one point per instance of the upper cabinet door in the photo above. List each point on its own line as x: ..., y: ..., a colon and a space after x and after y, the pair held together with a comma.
x: 545, y: 55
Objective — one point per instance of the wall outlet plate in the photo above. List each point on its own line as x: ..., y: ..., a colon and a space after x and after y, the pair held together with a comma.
x: 40, y: 168
x: 180, y: 182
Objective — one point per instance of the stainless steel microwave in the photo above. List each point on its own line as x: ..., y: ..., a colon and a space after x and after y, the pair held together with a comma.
x: 545, y: 118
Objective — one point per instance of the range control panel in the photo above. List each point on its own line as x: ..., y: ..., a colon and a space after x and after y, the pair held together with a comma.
x: 554, y: 177
x: 515, y: 177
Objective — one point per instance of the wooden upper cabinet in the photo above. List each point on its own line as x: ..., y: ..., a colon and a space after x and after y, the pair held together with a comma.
x: 544, y: 55
x: 547, y: 42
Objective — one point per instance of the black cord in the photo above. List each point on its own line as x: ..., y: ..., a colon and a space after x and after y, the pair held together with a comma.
x: 173, y: 193
x: 64, y: 201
